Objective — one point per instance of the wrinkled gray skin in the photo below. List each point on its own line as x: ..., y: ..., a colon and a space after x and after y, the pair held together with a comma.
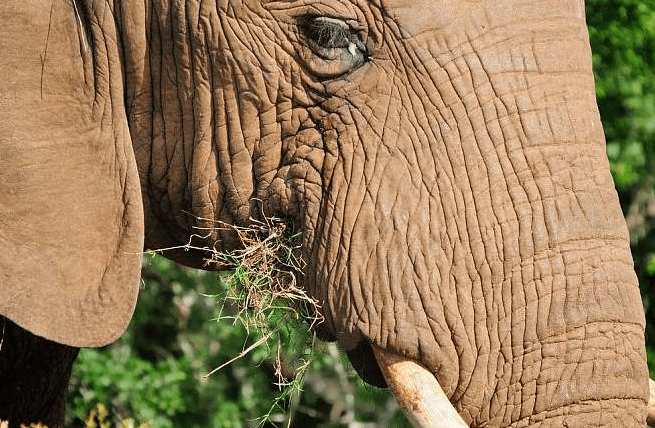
x: 444, y: 160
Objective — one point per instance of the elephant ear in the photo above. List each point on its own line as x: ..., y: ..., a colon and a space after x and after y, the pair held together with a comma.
x: 71, y: 217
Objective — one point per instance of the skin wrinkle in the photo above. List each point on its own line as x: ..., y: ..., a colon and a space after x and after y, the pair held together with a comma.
x: 466, y: 376
x: 369, y: 300
x: 102, y: 80
x: 161, y: 127
x: 183, y: 81
x: 426, y: 299
x: 218, y: 103
x: 481, y: 333
x: 229, y: 154
x: 174, y: 175
x: 201, y: 148
x: 374, y: 186
x: 150, y: 186
x: 44, y: 56
x: 332, y: 275
x: 532, y: 299
x: 190, y: 134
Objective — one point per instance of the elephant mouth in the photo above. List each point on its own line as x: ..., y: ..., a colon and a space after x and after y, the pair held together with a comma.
x: 417, y: 391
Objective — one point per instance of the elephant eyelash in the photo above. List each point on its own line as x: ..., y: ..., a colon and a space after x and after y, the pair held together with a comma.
x: 327, y: 33
x: 331, y: 33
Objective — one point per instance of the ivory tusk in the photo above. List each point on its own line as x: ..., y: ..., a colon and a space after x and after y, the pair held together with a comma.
x: 423, y: 400
x: 417, y: 392
x: 651, y: 404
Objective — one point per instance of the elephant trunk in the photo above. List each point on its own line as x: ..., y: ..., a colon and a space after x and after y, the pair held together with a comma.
x: 481, y: 234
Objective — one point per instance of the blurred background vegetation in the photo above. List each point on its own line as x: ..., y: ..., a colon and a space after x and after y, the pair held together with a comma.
x: 156, y: 372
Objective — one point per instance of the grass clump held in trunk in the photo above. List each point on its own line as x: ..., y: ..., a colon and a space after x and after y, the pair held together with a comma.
x: 260, y: 290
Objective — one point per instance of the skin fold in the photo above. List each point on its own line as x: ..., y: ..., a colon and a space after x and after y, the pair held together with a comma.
x: 444, y: 160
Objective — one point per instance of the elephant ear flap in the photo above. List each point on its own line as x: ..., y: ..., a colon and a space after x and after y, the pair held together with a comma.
x: 71, y: 220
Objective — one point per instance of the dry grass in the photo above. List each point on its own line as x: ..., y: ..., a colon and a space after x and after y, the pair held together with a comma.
x: 263, y: 294
x: 263, y: 273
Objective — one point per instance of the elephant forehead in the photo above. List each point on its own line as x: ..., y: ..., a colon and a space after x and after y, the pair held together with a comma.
x: 416, y: 17
x: 421, y: 17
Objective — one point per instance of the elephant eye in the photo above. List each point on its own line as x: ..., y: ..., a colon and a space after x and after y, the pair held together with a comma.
x: 336, y: 48
x: 327, y: 33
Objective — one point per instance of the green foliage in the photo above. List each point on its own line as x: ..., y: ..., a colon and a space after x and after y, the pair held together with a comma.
x: 157, y: 371
x: 622, y: 34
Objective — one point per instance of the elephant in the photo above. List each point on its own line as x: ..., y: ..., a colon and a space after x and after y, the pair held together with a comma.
x: 444, y: 161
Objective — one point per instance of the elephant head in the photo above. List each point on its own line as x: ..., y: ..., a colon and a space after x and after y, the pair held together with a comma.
x: 444, y: 160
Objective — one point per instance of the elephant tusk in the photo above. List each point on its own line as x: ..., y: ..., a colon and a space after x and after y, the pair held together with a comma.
x: 417, y: 392
x: 651, y: 404
x: 422, y: 399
